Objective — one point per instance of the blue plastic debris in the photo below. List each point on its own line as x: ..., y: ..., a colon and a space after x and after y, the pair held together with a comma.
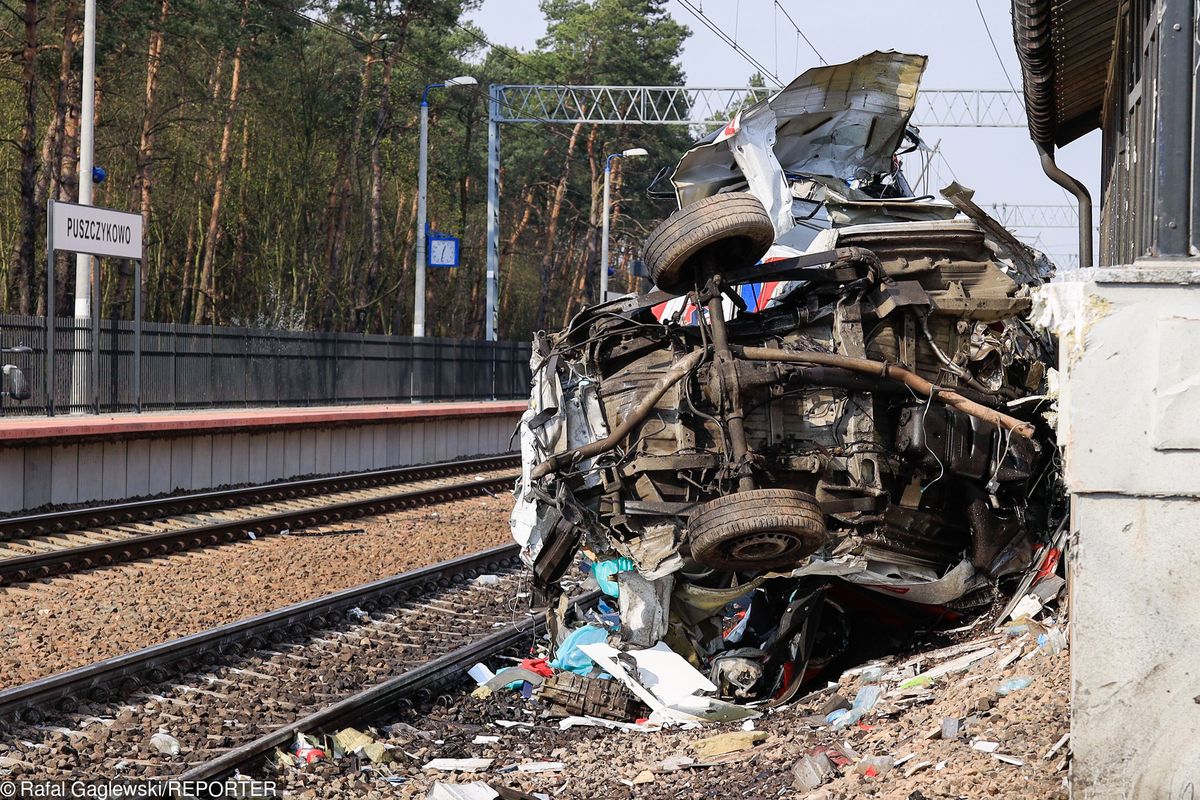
x: 867, y: 697
x: 569, y: 657
x: 1015, y: 684
x: 605, y: 571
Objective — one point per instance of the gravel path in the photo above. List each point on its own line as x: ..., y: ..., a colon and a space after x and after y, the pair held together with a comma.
x: 63, y: 623
x: 619, y: 766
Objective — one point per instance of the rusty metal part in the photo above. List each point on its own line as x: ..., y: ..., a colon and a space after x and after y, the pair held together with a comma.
x: 895, y: 373
x: 570, y: 694
x: 674, y: 375
x: 731, y: 392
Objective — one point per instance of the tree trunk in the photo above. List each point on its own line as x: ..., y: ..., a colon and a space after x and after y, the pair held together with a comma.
x: 367, y: 285
x: 243, y: 219
x: 338, y: 211
x: 190, y: 262
x: 145, y: 155
x: 27, y: 182
x: 553, y: 212
x: 506, y: 293
x: 206, y: 298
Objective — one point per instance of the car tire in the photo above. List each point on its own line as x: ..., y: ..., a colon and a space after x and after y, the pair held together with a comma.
x: 721, y: 233
x: 756, y: 530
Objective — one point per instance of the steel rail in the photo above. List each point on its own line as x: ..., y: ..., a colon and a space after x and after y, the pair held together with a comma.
x: 151, y: 545
x: 128, y: 672
x: 116, y: 513
x: 369, y: 703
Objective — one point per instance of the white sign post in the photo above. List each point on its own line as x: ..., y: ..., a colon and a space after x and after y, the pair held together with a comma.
x: 98, y: 232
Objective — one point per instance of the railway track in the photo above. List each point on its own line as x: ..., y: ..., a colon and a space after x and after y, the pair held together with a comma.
x: 43, y: 545
x: 231, y: 695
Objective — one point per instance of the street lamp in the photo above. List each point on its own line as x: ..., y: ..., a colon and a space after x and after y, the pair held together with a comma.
x: 422, y: 170
x: 632, y: 152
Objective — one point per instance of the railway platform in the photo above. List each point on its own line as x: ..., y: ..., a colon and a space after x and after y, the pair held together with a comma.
x: 54, y: 461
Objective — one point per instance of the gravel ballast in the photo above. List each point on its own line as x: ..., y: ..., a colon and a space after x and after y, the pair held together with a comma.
x: 1023, y: 726
x: 63, y: 623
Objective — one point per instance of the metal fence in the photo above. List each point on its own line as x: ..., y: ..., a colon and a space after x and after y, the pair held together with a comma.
x: 201, y: 366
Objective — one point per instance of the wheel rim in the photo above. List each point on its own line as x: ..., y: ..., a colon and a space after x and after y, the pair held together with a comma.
x: 762, y: 546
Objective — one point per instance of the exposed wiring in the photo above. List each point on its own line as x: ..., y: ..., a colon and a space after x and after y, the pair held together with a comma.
x: 925, y: 440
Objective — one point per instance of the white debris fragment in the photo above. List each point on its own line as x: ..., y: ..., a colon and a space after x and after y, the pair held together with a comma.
x: 1066, y: 737
x: 1029, y: 606
x: 985, y: 746
x: 458, y: 764
x: 165, y: 743
x: 542, y: 766
x: 461, y: 791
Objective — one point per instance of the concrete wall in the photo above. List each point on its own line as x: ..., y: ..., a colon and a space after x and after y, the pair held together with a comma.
x: 1130, y: 427
x: 37, y: 474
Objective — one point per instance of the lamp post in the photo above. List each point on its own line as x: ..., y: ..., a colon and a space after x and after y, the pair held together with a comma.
x: 422, y: 180
x: 630, y: 153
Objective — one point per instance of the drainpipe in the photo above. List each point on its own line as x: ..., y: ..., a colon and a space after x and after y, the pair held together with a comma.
x: 1084, y: 199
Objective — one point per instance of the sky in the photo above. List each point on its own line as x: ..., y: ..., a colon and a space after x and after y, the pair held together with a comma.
x: 999, y: 163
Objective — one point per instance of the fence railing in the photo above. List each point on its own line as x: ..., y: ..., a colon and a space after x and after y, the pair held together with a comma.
x: 201, y: 366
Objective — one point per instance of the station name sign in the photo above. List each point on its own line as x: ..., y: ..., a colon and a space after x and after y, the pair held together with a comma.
x: 96, y: 231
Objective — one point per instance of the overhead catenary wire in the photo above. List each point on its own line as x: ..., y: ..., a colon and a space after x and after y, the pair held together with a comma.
x: 801, y: 33
x: 732, y: 42
x: 987, y: 29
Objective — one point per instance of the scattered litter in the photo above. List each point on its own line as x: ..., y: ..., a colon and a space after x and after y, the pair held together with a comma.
x: 950, y: 728
x: 957, y: 665
x: 730, y: 742
x: 595, y: 722
x: 306, y: 750
x: 985, y: 746
x: 1028, y: 607
x: 481, y: 739
x: 458, y: 764
x: 874, y: 766
x: 165, y: 743
x: 487, y: 580
x: 542, y: 766
x: 1007, y: 759
x: 913, y: 769
x: 1015, y: 684
x: 1066, y: 737
x: 1007, y: 658
x: 351, y: 740
x: 570, y: 657
x: 461, y: 791
x: 481, y: 674
x: 1054, y: 639
x: 811, y: 771
x: 674, y: 763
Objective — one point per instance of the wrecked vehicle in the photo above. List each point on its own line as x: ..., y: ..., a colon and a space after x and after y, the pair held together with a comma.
x: 833, y: 395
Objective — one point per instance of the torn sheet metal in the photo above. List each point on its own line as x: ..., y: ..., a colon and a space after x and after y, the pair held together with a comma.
x: 842, y: 120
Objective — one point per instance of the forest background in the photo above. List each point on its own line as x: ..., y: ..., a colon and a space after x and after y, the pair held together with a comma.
x: 271, y: 146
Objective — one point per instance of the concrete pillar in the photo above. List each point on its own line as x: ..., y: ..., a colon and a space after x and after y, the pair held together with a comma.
x: 1129, y: 423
